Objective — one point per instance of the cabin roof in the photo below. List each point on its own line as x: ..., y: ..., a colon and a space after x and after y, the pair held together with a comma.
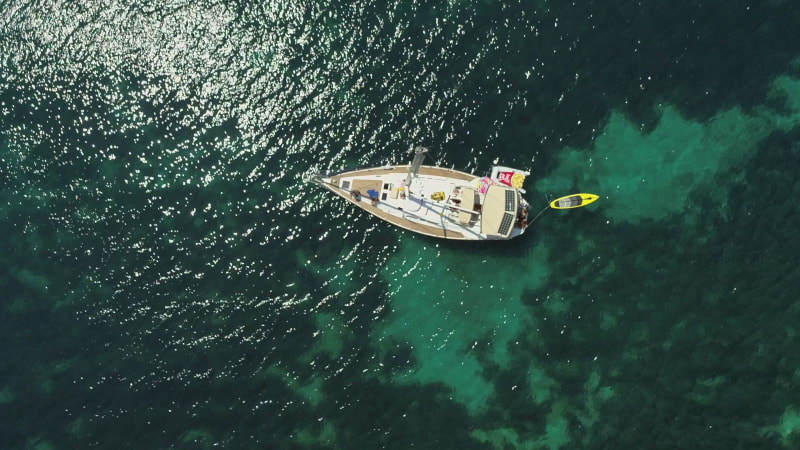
x: 499, y: 211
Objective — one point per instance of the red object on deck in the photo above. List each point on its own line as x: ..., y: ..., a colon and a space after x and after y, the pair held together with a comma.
x: 505, y: 178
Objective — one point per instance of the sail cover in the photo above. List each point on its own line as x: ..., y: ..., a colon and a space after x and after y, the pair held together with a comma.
x: 416, y: 163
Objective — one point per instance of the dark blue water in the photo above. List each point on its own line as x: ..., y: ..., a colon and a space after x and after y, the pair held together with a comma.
x: 169, y: 279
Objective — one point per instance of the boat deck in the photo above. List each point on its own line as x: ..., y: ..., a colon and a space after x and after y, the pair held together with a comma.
x: 439, y: 202
x: 429, y: 230
x: 365, y: 185
x: 362, y: 180
x: 424, y: 170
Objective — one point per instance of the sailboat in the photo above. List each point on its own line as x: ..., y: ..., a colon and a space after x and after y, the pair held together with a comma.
x: 437, y: 201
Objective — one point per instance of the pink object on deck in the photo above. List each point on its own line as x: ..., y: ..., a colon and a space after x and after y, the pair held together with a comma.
x: 484, y: 183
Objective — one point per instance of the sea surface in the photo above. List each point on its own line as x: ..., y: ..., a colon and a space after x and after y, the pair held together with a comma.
x: 168, y: 279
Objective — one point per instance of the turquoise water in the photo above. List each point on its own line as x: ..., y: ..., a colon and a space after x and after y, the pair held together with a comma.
x: 169, y: 280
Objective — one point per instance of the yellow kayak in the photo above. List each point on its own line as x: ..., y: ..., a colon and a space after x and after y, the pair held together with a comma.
x: 573, y: 201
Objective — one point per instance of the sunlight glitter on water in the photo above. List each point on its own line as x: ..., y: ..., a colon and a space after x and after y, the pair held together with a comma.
x: 155, y: 154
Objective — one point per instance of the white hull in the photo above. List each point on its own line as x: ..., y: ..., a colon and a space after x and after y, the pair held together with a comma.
x: 439, y: 202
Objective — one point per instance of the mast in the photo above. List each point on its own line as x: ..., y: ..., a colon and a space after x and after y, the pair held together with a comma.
x: 413, y: 170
